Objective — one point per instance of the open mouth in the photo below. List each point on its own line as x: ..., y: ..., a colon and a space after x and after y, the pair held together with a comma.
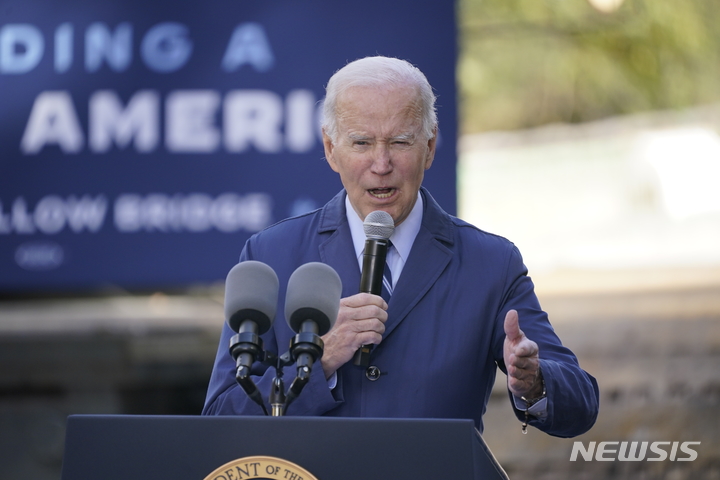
x: 381, y: 192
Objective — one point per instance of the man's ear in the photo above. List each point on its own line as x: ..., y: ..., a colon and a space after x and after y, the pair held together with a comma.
x: 329, y: 149
x: 432, y: 143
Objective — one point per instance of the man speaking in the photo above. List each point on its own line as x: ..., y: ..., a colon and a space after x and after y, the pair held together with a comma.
x: 461, y: 303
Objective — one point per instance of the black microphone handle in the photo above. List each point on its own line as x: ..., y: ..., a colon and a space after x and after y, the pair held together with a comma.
x: 306, y: 348
x: 373, y: 265
x: 371, y: 281
x: 248, y: 326
x: 247, y: 344
x: 245, y: 347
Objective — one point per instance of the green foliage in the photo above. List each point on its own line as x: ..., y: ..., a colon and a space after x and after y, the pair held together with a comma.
x: 525, y: 63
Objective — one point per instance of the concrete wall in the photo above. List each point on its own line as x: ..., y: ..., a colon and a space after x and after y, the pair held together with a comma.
x: 119, y: 355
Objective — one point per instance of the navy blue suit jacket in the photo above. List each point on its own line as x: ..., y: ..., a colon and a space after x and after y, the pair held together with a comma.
x: 444, y: 334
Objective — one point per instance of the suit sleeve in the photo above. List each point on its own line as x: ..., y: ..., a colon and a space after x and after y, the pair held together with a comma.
x: 572, y: 393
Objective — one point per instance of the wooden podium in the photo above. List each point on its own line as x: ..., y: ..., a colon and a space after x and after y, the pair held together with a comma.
x: 125, y: 447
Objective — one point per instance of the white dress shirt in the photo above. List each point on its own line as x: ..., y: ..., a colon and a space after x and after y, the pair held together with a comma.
x: 402, y: 238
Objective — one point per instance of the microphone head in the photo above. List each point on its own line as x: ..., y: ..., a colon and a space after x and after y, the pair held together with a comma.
x: 251, y: 293
x: 378, y: 224
x: 313, y: 293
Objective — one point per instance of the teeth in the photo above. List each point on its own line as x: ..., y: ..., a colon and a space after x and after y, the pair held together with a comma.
x: 382, y: 192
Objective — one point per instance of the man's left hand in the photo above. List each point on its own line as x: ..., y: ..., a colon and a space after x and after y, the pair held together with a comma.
x: 521, y: 360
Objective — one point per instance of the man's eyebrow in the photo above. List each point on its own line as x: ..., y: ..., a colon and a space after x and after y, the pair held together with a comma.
x: 408, y: 137
x: 358, y: 136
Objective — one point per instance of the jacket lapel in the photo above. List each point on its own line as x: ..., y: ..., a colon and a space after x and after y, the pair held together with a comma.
x: 337, y: 249
x: 429, y: 256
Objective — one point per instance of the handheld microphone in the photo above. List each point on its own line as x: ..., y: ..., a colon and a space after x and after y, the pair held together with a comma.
x: 378, y: 226
x: 251, y: 292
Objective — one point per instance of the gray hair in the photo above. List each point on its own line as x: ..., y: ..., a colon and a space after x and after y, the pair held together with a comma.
x: 379, y: 72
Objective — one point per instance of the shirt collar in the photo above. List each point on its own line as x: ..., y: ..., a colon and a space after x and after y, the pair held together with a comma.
x: 402, y: 238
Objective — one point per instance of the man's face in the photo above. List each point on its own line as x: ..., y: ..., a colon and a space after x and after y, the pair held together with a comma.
x: 380, y: 153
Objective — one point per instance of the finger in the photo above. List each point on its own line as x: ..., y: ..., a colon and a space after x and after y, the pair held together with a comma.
x: 525, y: 348
x: 366, y: 325
x: 512, y: 326
x: 374, y: 325
x: 367, y: 338
x: 523, y: 363
x: 521, y: 376
x: 362, y: 299
x: 371, y: 312
x: 348, y: 333
x: 365, y: 312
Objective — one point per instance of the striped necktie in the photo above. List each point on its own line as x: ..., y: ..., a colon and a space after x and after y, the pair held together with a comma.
x: 387, y: 290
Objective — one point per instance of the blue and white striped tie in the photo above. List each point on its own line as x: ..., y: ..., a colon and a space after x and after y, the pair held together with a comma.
x: 387, y: 278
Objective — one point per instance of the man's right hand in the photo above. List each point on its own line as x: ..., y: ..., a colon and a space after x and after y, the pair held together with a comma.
x: 361, y: 321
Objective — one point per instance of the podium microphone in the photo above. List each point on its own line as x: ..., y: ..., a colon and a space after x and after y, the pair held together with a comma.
x: 251, y: 293
x: 378, y: 226
x: 312, y: 303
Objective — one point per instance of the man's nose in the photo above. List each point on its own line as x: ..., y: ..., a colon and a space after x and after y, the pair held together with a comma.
x: 382, y: 163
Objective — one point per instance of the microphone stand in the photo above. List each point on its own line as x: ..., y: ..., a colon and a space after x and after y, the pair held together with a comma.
x: 277, y: 396
x: 305, y: 348
x: 245, y: 347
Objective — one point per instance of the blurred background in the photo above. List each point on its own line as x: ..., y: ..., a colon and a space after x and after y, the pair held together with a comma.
x: 589, y: 137
x: 588, y: 133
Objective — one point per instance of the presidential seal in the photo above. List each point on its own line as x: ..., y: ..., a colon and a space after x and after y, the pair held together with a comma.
x: 260, y: 467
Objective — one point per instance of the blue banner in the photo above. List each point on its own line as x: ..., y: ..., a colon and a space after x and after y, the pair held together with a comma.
x: 143, y: 142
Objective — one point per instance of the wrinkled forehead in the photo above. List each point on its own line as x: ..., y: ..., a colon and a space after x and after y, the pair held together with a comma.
x: 403, y: 89
x: 381, y: 107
